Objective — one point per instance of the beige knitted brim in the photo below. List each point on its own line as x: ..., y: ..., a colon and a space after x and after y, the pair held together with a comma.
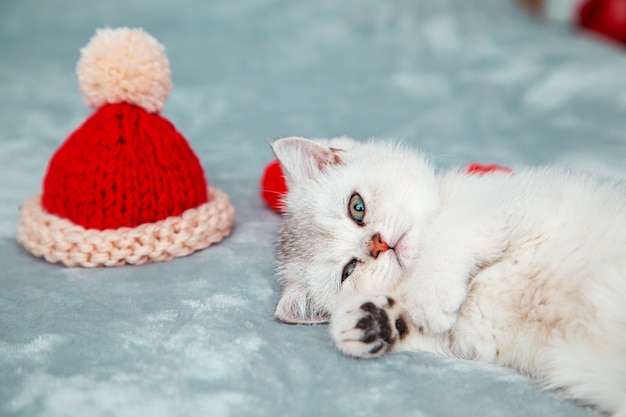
x: 59, y: 240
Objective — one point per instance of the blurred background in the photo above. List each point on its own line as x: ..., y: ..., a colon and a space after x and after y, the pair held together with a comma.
x: 466, y: 81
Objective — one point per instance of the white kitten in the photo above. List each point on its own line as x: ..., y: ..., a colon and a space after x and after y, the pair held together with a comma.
x: 525, y: 270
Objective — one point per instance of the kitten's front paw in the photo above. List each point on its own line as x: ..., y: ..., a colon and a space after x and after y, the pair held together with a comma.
x: 368, y: 326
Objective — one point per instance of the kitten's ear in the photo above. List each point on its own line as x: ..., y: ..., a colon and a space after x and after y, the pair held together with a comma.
x: 303, y: 158
x: 294, y: 307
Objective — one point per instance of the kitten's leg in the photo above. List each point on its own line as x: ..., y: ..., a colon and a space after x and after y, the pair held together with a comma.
x: 439, y: 285
x: 473, y: 336
x: 435, y: 300
x: 366, y: 326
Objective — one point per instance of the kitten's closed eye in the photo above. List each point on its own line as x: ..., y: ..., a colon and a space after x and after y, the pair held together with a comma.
x: 356, y: 209
x: 348, y: 269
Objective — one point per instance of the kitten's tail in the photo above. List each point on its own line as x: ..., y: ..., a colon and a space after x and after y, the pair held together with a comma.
x: 593, y: 368
x: 594, y: 376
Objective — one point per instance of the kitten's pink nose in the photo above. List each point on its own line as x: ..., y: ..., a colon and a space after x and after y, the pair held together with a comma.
x: 377, y: 245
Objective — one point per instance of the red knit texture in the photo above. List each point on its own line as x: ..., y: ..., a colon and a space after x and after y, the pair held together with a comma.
x: 274, y: 187
x: 123, y: 167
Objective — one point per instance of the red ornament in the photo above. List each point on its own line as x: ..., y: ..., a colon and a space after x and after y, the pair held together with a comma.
x: 604, y: 17
x: 482, y: 169
x: 274, y: 187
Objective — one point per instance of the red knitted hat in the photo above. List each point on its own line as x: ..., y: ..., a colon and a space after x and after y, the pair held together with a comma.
x: 125, y: 187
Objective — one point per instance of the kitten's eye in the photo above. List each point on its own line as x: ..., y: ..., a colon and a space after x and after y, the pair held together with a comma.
x: 356, y: 208
x: 348, y: 269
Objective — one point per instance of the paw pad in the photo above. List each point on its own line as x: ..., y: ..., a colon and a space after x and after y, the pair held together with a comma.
x: 376, y: 327
x: 369, y: 326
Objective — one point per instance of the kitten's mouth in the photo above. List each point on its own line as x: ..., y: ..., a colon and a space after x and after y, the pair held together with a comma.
x: 398, y: 241
x: 397, y: 248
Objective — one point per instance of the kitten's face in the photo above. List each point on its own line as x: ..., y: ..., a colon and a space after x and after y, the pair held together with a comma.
x: 353, y: 217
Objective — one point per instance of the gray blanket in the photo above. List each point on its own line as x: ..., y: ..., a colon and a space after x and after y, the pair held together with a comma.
x: 464, y: 80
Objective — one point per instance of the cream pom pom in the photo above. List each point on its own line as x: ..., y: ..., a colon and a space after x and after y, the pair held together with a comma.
x: 124, y: 66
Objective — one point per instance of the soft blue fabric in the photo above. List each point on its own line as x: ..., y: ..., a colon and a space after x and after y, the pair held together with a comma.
x: 464, y: 80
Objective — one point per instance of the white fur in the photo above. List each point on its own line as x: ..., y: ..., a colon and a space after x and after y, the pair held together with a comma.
x: 525, y: 270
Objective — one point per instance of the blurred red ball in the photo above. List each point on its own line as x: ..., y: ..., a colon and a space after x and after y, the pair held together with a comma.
x: 482, y: 169
x: 604, y: 17
x: 273, y: 185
